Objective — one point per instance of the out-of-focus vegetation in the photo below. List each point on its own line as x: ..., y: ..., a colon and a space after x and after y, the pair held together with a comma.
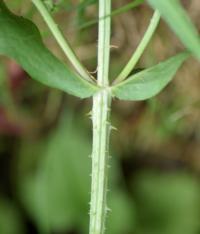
x: 45, y: 136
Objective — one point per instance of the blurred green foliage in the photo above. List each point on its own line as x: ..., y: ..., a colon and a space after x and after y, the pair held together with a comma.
x: 10, y: 220
x: 2, y: 84
x: 57, y: 194
x: 167, y: 203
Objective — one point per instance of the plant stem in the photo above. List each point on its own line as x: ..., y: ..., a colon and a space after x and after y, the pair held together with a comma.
x: 101, y: 126
x: 101, y: 132
x: 62, y: 41
x: 118, y: 11
x: 140, y: 49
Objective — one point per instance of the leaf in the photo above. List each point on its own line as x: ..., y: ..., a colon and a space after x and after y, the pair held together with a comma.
x: 10, y: 217
x: 178, y: 20
x: 21, y: 40
x: 167, y: 203
x: 120, y: 203
x: 149, y: 82
x: 57, y: 194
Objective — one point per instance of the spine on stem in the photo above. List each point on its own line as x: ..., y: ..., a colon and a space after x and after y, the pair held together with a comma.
x: 101, y: 125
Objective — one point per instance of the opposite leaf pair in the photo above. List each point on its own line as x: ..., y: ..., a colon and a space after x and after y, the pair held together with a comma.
x: 21, y: 40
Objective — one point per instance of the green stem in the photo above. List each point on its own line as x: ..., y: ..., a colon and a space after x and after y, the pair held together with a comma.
x: 101, y: 132
x: 121, y: 10
x: 101, y: 126
x: 62, y: 41
x: 104, y: 43
x: 140, y: 49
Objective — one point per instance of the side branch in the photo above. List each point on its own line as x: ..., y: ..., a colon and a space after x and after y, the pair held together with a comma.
x: 140, y: 49
x: 62, y: 41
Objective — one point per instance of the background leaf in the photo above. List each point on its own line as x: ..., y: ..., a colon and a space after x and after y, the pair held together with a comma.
x: 21, y: 40
x: 167, y: 203
x: 122, y: 215
x: 149, y: 82
x: 10, y: 218
x: 178, y: 20
x: 57, y: 194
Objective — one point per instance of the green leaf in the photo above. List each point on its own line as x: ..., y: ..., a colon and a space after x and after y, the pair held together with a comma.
x: 10, y: 217
x: 21, y: 40
x: 120, y: 203
x: 149, y: 82
x: 56, y: 195
x: 176, y: 17
x: 167, y: 203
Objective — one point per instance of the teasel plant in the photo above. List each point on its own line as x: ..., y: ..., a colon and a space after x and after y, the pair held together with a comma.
x: 21, y: 40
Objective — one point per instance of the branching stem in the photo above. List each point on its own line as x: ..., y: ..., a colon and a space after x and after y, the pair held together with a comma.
x: 140, y: 49
x: 62, y: 41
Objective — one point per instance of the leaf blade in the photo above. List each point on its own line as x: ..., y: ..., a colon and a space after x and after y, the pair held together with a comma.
x: 149, y: 82
x: 21, y: 41
x: 176, y: 17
